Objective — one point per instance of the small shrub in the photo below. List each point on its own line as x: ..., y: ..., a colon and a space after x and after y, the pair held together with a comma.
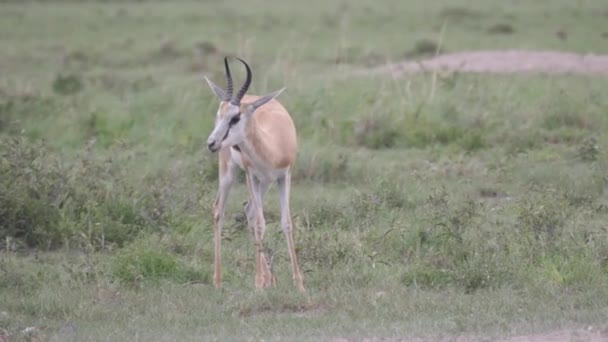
x: 376, y: 133
x: 326, y: 248
x: 542, y: 216
x: 522, y: 142
x: 17, y: 108
x: 481, y: 268
x: 16, y: 277
x: 322, y: 165
x: 366, y: 204
x: 459, y: 13
x: 589, y: 150
x: 206, y: 48
x: 486, y: 268
x: 393, y: 194
x: 347, y: 55
x: 167, y: 50
x: 46, y: 201
x: 563, y: 118
x: 67, y: 85
x: 583, y: 192
x: 425, y: 47
x: 325, y: 214
x: 472, y: 141
x: 569, y: 268
x: 387, y: 193
x: 426, y: 276
x: 149, y: 261
x: 423, y: 132
x: 451, y: 226
x: 453, y: 251
x: 121, y: 85
x: 111, y: 223
x: 30, y: 188
x: 571, y: 183
x: 501, y: 28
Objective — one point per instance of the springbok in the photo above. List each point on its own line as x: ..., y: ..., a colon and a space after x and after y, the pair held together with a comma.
x: 255, y: 133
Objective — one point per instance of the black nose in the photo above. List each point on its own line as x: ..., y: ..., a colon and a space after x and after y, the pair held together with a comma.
x: 212, y: 146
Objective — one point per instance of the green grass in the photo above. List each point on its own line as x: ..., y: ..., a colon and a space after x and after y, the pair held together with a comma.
x: 471, y: 205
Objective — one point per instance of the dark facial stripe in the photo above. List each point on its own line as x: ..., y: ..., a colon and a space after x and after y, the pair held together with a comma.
x: 232, y: 122
x: 226, y: 135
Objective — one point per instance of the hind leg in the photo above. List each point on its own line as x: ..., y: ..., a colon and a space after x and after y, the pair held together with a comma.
x: 257, y: 224
x: 284, y: 187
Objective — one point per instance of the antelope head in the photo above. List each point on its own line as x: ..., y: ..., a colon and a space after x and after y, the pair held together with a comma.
x: 233, y: 116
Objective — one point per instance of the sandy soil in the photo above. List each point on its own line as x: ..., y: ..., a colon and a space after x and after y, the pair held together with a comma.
x: 508, y: 61
x: 583, y: 335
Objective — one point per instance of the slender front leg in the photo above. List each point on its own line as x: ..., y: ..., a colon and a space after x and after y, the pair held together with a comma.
x: 284, y: 187
x: 227, y: 171
x: 251, y: 211
x: 255, y: 214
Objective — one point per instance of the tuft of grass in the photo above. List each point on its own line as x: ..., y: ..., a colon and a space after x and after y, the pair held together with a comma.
x: 501, y: 28
x: 30, y: 194
x: 458, y: 13
x: 568, y: 269
x: 376, y: 133
x: 589, y: 150
x: 425, y: 132
x: 67, y: 84
x: 149, y: 261
x: 425, y: 47
x: 562, y: 119
x: 543, y: 218
x: 18, y: 109
x: 426, y: 276
x: 323, y: 165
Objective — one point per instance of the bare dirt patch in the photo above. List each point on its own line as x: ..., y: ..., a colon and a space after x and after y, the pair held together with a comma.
x: 586, y: 335
x: 508, y: 61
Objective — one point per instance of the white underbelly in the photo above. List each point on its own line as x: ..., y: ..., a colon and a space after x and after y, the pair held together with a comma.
x: 268, y: 175
x: 261, y: 172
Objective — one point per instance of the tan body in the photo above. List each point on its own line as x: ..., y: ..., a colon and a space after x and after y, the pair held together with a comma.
x: 270, y: 139
x: 258, y: 136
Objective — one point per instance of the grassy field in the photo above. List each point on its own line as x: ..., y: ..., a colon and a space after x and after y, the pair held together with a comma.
x: 451, y: 204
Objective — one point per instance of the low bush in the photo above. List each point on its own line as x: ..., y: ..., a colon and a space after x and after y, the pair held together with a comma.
x: 148, y: 260
x: 46, y: 202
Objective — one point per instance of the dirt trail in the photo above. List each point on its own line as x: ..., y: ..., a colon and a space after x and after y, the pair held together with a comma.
x: 508, y: 61
x: 589, y: 335
x: 582, y: 335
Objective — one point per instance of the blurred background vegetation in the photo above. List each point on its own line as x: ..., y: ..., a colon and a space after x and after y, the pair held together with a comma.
x: 446, y: 201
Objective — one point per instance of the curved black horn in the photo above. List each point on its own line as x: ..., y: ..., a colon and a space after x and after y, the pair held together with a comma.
x: 228, y: 80
x: 236, y: 100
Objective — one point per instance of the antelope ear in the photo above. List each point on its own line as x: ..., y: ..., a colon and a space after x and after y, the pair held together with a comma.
x: 262, y: 100
x: 219, y: 92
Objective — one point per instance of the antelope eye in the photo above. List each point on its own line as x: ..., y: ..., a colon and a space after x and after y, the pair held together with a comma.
x: 234, y: 120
